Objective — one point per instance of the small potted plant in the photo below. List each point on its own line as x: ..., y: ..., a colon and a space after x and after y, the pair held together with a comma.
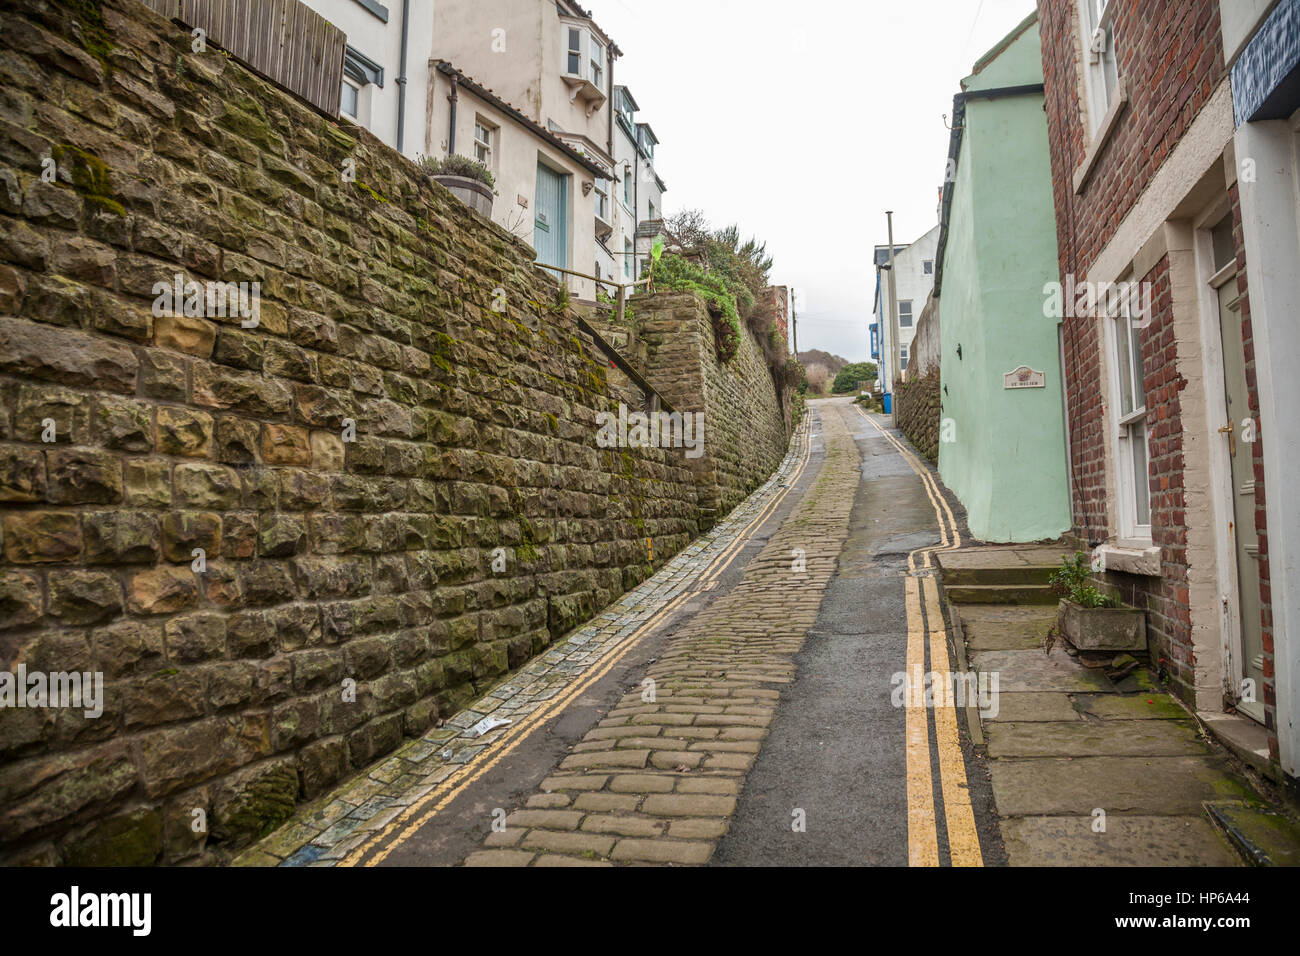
x: 1091, y: 620
x: 469, y: 180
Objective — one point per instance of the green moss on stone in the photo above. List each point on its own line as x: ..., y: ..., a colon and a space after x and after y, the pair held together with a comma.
x: 377, y: 197
x: 92, y: 35
x: 133, y: 839
x: 89, y: 175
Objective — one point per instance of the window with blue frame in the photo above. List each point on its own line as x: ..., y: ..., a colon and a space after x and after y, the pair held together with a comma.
x: 875, y: 341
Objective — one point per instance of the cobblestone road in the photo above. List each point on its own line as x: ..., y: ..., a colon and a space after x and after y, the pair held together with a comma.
x: 631, y: 741
x: 656, y: 780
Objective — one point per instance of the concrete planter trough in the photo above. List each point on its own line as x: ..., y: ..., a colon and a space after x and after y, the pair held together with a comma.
x: 473, y: 193
x: 1103, y: 628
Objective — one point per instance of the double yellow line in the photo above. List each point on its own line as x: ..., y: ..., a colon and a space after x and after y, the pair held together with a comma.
x: 959, y: 816
x: 402, y: 827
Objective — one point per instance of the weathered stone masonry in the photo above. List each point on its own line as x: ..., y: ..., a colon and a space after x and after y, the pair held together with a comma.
x: 325, y: 559
x: 746, y: 418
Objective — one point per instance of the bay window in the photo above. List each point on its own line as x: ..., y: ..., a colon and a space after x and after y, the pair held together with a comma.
x: 584, y: 56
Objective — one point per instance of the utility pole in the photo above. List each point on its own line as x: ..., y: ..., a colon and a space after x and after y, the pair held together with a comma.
x: 894, y: 353
x: 794, y: 325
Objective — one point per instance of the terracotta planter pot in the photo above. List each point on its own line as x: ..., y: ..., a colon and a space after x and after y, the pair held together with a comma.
x: 1102, y: 628
x: 473, y: 193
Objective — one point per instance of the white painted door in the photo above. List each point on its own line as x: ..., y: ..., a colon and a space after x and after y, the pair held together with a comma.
x: 1238, y: 434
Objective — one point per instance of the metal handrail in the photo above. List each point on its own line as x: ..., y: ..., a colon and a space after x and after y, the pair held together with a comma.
x: 622, y: 364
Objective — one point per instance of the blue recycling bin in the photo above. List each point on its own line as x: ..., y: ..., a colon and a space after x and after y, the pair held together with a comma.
x: 889, y: 403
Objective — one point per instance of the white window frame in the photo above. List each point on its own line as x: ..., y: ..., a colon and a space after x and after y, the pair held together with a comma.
x: 627, y: 186
x: 927, y: 267
x: 902, y: 357
x: 1100, y: 58
x: 596, y: 62
x: 629, y: 253
x: 570, y: 50
x: 602, y: 200
x: 1130, y: 419
x: 356, y: 90
x: 484, y: 145
x: 911, y: 316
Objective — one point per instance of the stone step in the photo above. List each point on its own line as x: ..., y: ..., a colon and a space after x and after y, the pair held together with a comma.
x: 1018, y: 574
x: 999, y: 565
x: 1001, y: 594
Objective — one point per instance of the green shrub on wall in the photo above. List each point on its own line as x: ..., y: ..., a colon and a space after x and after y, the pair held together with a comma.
x: 674, y: 272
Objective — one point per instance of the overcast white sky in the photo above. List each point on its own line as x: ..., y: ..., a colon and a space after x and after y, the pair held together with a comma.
x: 803, y: 122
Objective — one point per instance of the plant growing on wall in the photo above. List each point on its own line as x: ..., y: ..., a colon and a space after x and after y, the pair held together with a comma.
x: 1073, y: 582
x: 675, y: 272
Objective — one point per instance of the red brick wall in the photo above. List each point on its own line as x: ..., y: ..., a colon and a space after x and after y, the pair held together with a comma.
x: 1170, y: 55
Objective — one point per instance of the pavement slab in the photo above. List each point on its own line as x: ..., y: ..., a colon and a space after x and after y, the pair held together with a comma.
x: 1128, y: 840
x: 995, y: 627
x: 1136, y: 738
x: 1033, y: 670
x: 1151, y: 785
x: 1033, y: 706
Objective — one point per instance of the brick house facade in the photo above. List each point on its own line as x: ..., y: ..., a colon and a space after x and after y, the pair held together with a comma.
x: 1144, y: 152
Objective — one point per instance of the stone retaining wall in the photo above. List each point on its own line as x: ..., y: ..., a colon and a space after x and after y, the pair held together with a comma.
x: 747, y: 419
x: 183, y: 504
x: 918, y: 408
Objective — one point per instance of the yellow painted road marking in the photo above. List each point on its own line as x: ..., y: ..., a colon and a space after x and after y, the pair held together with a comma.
x: 937, y: 499
x: 922, y: 839
x: 963, y: 840
x: 454, y: 785
x: 959, y: 816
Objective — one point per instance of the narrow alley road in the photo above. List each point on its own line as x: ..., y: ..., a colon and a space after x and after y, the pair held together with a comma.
x: 739, y: 708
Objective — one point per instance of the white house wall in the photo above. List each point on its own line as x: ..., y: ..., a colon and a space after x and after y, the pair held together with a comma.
x: 369, y: 35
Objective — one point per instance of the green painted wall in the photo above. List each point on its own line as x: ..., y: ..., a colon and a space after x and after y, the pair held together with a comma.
x: 1002, y: 451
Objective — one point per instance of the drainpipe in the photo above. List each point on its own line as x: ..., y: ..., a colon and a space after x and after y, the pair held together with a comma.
x: 451, y: 121
x: 636, y: 206
x: 401, y: 79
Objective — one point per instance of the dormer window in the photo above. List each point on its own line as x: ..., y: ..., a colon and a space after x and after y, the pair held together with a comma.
x: 645, y: 141
x: 626, y: 107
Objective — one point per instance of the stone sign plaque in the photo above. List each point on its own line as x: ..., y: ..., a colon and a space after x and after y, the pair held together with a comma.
x: 1024, y: 377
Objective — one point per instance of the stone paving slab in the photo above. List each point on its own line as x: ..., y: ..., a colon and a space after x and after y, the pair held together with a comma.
x: 1129, y: 840
x: 1034, y: 706
x: 1151, y: 785
x: 1152, y: 706
x: 326, y: 830
x: 1118, y: 738
x: 995, y: 627
x: 1032, y: 670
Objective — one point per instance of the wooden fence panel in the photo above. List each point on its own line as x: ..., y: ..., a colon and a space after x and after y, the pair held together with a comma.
x: 284, y: 40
